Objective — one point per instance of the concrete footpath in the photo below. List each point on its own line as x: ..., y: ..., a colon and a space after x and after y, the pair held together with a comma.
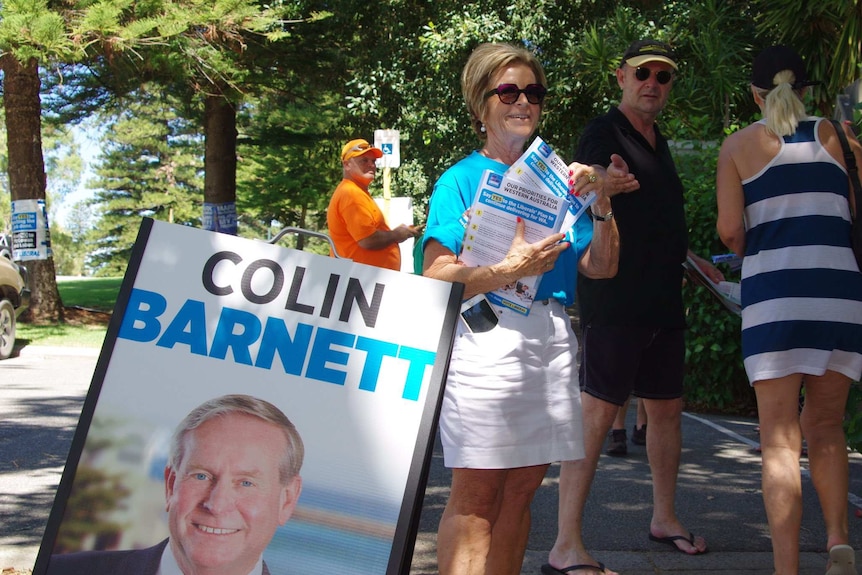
x: 42, y: 391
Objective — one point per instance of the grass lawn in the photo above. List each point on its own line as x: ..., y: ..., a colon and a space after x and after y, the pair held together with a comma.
x: 90, y: 293
x: 88, y: 303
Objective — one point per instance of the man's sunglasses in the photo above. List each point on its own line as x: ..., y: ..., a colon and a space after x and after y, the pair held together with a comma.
x: 360, y: 148
x: 662, y: 76
x: 510, y: 93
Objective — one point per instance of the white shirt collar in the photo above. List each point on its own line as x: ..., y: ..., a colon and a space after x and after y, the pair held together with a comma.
x: 168, y: 565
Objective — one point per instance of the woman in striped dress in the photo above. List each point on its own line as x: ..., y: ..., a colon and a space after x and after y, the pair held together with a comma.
x: 784, y: 205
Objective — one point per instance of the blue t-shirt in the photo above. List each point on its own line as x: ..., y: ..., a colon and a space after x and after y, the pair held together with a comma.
x: 454, y: 193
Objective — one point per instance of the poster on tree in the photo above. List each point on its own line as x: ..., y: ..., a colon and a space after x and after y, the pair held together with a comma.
x: 31, y: 238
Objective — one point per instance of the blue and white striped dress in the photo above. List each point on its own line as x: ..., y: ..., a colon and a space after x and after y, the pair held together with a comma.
x: 801, y: 287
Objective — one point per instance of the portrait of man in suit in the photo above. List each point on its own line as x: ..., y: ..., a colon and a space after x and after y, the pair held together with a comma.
x: 231, y: 480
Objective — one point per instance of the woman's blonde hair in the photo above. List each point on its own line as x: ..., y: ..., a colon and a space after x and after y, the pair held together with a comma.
x: 783, y: 107
x: 485, y: 61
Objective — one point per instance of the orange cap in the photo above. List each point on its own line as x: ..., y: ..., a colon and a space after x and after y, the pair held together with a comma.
x: 359, y: 147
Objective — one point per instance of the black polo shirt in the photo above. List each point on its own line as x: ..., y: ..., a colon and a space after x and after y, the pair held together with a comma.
x: 647, y: 290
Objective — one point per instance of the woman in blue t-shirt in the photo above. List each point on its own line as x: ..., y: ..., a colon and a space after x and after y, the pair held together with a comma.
x: 512, y: 402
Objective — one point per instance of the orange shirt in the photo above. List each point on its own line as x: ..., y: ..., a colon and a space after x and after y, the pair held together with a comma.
x: 353, y: 215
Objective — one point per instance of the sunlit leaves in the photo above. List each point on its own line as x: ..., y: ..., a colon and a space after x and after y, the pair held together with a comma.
x: 28, y: 29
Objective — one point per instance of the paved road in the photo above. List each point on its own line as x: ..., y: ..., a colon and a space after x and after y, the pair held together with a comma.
x: 40, y: 400
x: 41, y: 393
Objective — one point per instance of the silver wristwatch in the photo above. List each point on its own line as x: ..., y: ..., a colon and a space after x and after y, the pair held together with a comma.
x: 608, y: 216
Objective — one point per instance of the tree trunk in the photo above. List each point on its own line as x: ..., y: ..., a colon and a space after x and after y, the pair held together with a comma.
x: 220, y: 165
x: 23, y: 109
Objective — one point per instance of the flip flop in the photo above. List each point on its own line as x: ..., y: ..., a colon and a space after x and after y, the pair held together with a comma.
x: 547, y: 569
x: 672, y: 542
x: 842, y: 560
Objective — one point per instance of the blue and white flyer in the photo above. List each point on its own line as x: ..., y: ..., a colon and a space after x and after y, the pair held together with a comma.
x: 541, y: 168
x: 500, y: 200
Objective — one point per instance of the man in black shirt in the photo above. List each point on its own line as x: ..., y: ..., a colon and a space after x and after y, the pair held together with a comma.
x: 633, y: 324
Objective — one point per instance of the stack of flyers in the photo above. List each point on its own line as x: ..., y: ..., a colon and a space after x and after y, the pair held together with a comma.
x: 728, y: 293
x: 536, y: 189
x: 541, y: 168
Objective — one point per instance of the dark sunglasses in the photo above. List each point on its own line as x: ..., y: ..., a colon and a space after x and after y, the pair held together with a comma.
x: 510, y: 93
x: 662, y: 76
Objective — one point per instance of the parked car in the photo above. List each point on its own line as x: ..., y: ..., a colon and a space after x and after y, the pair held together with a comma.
x: 14, y: 299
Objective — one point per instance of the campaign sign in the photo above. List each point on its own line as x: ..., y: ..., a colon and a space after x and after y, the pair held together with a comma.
x: 220, y: 217
x: 354, y: 356
x: 31, y: 237
x: 400, y: 211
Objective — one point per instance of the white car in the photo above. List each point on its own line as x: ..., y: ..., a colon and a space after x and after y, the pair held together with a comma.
x: 14, y: 299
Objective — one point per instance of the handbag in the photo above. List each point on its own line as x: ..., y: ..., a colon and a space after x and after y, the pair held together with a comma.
x: 853, y: 174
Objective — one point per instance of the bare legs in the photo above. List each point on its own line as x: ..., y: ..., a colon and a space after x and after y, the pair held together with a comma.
x: 780, y: 444
x: 641, y: 418
x: 620, y: 419
x: 664, y: 444
x: 822, y: 417
x: 781, y: 432
x: 486, y: 523
x: 576, y: 478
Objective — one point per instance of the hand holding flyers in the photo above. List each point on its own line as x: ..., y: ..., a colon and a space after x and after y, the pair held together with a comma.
x: 532, y: 259
x: 513, y: 223
x: 535, y: 190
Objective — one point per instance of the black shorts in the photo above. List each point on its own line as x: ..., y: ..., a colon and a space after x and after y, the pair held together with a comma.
x: 621, y: 361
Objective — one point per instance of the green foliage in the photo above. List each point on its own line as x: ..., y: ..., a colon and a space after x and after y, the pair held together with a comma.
x: 29, y: 29
x: 410, y: 181
x: 68, y: 255
x: 828, y: 35
x: 715, y: 378
x: 288, y: 164
x: 71, y: 242
x: 63, y: 162
x: 63, y: 167
x: 151, y: 166
x: 853, y: 418
x: 714, y: 40
x: 302, y: 90
x: 411, y: 80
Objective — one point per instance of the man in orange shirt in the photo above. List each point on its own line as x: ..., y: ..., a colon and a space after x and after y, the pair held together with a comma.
x: 356, y: 225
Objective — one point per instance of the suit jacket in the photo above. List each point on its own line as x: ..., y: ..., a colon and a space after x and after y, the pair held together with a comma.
x: 131, y: 562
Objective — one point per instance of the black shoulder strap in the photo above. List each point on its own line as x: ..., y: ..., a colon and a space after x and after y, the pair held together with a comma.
x: 849, y: 157
x: 850, y: 161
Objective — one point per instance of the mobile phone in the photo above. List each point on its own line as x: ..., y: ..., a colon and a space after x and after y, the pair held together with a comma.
x: 478, y: 314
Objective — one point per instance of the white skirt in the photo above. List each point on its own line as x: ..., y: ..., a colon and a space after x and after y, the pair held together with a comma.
x: 512, y: 397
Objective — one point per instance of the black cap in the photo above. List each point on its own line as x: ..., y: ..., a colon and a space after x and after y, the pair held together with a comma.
x: 649, y: 50
x: 773, y: 60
